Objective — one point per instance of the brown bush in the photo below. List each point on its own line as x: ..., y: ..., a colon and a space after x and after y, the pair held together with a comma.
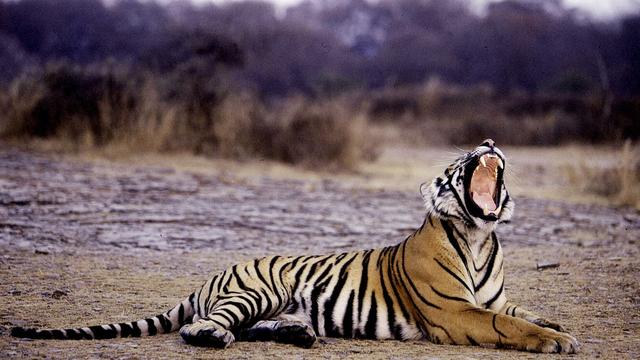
x: 109, y: 108
x: 326, y: 132
x: 452, y: 114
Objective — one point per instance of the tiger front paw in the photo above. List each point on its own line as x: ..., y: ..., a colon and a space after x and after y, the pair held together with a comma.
x: 551, y: 341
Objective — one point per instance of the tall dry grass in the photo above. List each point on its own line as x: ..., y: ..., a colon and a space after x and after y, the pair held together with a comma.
x: 449, y: 114
x: 108, y: 108
x: 619, y: 184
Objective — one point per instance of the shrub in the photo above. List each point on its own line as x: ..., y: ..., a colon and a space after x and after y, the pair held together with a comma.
x: 116, y: 108
x: 68, y: 101
x: 323, y: 132
x: 619, y: 184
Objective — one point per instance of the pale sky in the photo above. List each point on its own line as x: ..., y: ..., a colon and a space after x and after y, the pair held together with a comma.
x: 602, y: 9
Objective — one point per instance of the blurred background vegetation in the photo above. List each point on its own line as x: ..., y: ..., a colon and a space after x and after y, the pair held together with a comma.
x: 315, y: 83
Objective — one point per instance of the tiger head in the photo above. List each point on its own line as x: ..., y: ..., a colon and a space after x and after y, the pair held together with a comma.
x: 472, y: 189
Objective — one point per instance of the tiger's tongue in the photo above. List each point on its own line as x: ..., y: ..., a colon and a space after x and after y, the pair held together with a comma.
x: 482, y: 188
x: 484, y: 200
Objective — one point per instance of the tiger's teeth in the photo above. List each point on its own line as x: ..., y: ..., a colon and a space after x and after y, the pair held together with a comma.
x: 483, y: 161
x: 485, y: 211
x: 500, y: 164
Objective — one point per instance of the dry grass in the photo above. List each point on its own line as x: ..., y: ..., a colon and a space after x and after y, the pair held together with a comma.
x: 440, y: 114
x: 89, y: 108
x: 619, y: 184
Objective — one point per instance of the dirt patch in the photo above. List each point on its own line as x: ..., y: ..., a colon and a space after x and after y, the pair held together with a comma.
x: 86, y: 243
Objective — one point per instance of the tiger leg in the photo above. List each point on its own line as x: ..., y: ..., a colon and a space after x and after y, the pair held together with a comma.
x: 207, y: 332
x: 284, y: 331
x: 472, y: 326
x: 214, y: 330
x: 516, y: 311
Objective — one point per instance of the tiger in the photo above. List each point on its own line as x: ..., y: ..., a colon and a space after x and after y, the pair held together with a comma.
x: 444, y: 283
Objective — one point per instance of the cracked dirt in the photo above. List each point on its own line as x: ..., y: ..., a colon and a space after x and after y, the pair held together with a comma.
x: 85, y: 242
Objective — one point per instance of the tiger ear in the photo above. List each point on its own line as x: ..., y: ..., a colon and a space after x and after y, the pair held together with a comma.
x: 425, y: 191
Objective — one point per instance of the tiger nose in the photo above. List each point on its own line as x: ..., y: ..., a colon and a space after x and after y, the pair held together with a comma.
x: 490, y: 143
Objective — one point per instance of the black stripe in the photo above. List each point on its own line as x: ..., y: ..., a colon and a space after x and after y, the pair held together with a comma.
x: 57, y: 334
x: 297, y: 277
x: 230, y: 313
x: 513, y: 312
x: 347, y: 322
x: 320, y: 261
x: 472, y: 341
x: 206, y: 301
x: 391, y: 313
x: 314, y: 312
x: 136, y: 329
x: 488, y: 258
x: 424, y: 223
x: 394, y: 283
x: 165, y: 323
x: 495, y: 297
x: 282, y: 304
x: 151, y: 326
x: 413, y: 286
x: 464, y: 239
x: 460, y: 202
x: 455, y: 276
x: 191, y: 297
x: 220, y: 279
x: 256, y: 265
x: 456, y: 246
x: 273, y: 282
x: 417, y: 310
x: 493, y: 323
x: 73, y: 334
x: 223, y: 315
x: 491, y: 261
x: 448, y: 297
x: 329, y: 327
x: 225, y: 288
x: 432, y: 324
x: 181, y: 315
x: 266, y: 298
x: 85, y: 335
x: 244, y: 311
x: 197, y: 302
x: 372, y: 319
x: 125, y: 330
x: 364, y: 279
x: 101, y: 333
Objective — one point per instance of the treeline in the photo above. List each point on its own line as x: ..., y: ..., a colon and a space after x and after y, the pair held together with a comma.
x: 320, y: 47
x: 243, y: 80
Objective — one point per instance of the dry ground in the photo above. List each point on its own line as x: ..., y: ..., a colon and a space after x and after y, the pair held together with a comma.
x: 86, y: 241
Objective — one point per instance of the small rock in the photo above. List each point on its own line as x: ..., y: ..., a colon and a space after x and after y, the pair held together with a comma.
x: 327, y: 341
x: 594, y: 341
x: 546, y: 265
x: 57, y: 294
x: 41, y: 251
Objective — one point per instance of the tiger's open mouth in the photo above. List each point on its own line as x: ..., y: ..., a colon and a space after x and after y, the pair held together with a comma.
x: 484, y: 185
